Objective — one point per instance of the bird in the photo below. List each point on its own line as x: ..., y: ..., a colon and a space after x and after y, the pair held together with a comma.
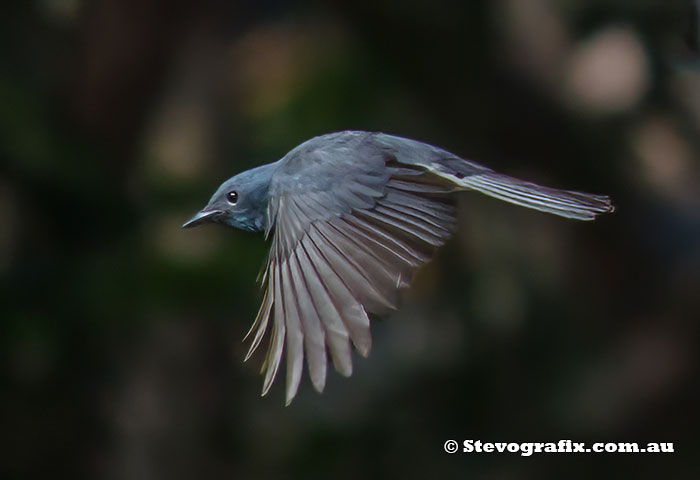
x: 352, y: 215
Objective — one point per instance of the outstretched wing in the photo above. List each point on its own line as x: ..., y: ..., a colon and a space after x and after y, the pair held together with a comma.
x: 349, y: 232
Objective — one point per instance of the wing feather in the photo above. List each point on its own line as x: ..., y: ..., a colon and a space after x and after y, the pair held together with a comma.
x: 426, y: 204
x: 371, y: 249
x: 314, y: 334
x: 409, y: 186
x: 295, y: 335
x: 386, y: 217
x: 337, y: 336
x: 341, y: 278
x: 413, y: 221
x: 261, y: 320
x: 356, y: 281
x: 371, y: 269
x: 378, y: 243
x: 274, y: 354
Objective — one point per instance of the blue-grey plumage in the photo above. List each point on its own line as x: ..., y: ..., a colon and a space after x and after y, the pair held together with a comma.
x: 248, y: 210
x: 353, y: 215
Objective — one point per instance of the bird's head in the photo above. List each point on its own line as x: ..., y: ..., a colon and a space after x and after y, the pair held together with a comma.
x: 241, y: 202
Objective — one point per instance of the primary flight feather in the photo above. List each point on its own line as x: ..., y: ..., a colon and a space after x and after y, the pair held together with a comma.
x: 352, y: 216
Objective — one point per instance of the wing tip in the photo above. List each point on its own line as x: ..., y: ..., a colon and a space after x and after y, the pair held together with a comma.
x: 320, y: 385
x: 289, y: 397
x: 363, y: 349
x: 343, y: 369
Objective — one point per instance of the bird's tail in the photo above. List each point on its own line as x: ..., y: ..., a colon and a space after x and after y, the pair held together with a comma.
x: 414, y: 158
x: 565, y: 203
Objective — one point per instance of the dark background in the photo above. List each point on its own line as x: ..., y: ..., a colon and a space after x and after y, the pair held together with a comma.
x: 120, y: 333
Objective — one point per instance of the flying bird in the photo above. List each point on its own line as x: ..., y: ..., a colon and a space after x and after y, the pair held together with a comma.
x: 352, y: 215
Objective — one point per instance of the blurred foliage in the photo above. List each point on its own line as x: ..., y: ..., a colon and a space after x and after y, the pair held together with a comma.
x: 120, y: 332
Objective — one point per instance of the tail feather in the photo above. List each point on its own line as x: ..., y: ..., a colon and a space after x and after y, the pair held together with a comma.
x: 565, y: 203
x: 414, y: 156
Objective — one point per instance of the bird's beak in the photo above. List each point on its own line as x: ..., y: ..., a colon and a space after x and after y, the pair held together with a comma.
x: 203, y: 216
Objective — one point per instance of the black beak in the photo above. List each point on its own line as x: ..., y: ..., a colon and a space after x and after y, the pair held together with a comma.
x: 203, y: 216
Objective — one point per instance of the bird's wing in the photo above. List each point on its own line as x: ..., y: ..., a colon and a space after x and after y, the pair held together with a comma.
x: 348, y: 233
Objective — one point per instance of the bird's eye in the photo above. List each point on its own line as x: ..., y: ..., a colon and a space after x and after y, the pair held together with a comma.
x: 232, y: 197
